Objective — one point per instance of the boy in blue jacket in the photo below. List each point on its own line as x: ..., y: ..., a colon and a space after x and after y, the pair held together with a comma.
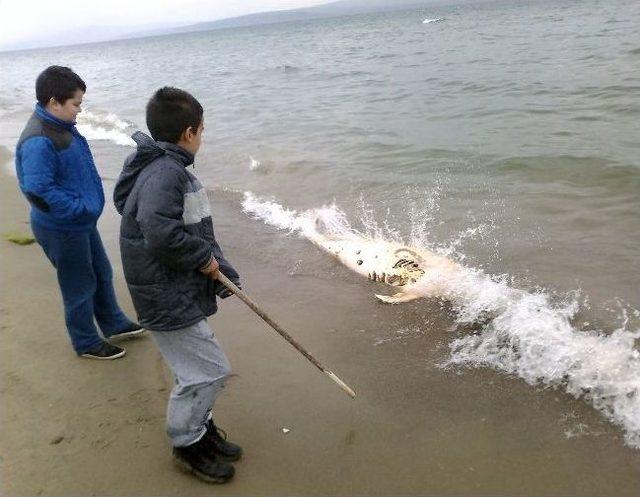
x: 171, y: 258
x: 57, y: 174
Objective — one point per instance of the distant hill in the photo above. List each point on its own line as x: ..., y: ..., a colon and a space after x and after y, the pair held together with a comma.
x: 95, y: 34
x: 333, y: 9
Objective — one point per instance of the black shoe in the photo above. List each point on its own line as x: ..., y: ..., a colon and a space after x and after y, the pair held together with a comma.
x: 131, y: 331
x: 104, y: 352
x: 198, y: 459
x: 227, y: 451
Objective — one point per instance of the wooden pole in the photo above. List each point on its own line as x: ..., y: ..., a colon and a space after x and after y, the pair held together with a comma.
x: 245, y: 298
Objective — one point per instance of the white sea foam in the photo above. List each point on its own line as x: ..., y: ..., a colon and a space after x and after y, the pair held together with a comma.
x: 429, y: 21
x: 254, y: 164
x: 104, y: 126
x: 527, y: 333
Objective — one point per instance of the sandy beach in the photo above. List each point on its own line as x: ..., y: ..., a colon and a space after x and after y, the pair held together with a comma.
x: 503, y: 137
x: 75, y: 427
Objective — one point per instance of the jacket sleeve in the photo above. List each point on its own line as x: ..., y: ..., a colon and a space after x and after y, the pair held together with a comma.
x: 38, y: 161
x: 226, y: 268
x: 160, y: 205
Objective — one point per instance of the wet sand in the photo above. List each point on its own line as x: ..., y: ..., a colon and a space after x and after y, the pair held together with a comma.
x: 74, y: 427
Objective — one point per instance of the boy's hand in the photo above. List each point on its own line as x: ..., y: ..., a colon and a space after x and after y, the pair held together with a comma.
x: 211, y: 269
x: 224, y: 292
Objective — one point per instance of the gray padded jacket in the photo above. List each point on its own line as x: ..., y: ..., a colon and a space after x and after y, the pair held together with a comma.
x: 166, y: 236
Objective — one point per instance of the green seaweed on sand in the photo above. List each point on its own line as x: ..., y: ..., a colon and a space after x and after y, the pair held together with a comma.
x: 19, y: 238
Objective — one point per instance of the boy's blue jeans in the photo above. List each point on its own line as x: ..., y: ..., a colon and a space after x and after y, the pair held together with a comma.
x: 85, y: 279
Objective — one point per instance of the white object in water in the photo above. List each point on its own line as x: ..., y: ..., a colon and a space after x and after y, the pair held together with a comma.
x: 392, y: 263
x: 255, y: 164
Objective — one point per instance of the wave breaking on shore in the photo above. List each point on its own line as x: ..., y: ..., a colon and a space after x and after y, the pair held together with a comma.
x: 105, y: 126
x: 531, y: 334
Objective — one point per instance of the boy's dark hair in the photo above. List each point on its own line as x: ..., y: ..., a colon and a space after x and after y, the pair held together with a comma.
x: 58, y: 82
x: 170, y: 112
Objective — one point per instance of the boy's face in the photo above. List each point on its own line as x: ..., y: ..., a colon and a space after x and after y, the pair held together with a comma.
x: 198, y: 136
x: 68, y: 110
x: 191, y: 141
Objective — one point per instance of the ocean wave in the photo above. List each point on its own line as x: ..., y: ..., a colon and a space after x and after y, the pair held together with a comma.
x: 526, y: 333
x: 581, y: 172
x: 429, y: 21
x: 534, y: 338
x: 14, y: 101
x: 286, y: 68
x: 105, y: 126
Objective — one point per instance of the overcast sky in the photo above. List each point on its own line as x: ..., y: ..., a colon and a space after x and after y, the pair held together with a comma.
x: 27, y: 21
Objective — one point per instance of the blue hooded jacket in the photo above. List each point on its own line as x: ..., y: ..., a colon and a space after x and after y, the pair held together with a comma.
x: 57, y: 174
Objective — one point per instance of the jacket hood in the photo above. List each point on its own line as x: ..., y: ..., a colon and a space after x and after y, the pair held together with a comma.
x: 148, y: 151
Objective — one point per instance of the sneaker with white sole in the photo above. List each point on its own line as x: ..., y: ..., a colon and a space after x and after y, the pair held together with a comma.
x: 104, y: 352
x: 133, y: 331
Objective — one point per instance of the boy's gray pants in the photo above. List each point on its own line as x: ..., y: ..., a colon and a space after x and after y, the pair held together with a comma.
x: 200, y: 368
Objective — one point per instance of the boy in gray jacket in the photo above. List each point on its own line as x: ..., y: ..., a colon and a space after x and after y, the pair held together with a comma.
x: 171, y: 258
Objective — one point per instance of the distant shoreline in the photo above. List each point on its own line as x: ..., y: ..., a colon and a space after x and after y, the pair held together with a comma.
x: 342, y: 8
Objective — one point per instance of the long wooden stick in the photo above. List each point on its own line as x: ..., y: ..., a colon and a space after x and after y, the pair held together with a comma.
x: 245, y: 298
